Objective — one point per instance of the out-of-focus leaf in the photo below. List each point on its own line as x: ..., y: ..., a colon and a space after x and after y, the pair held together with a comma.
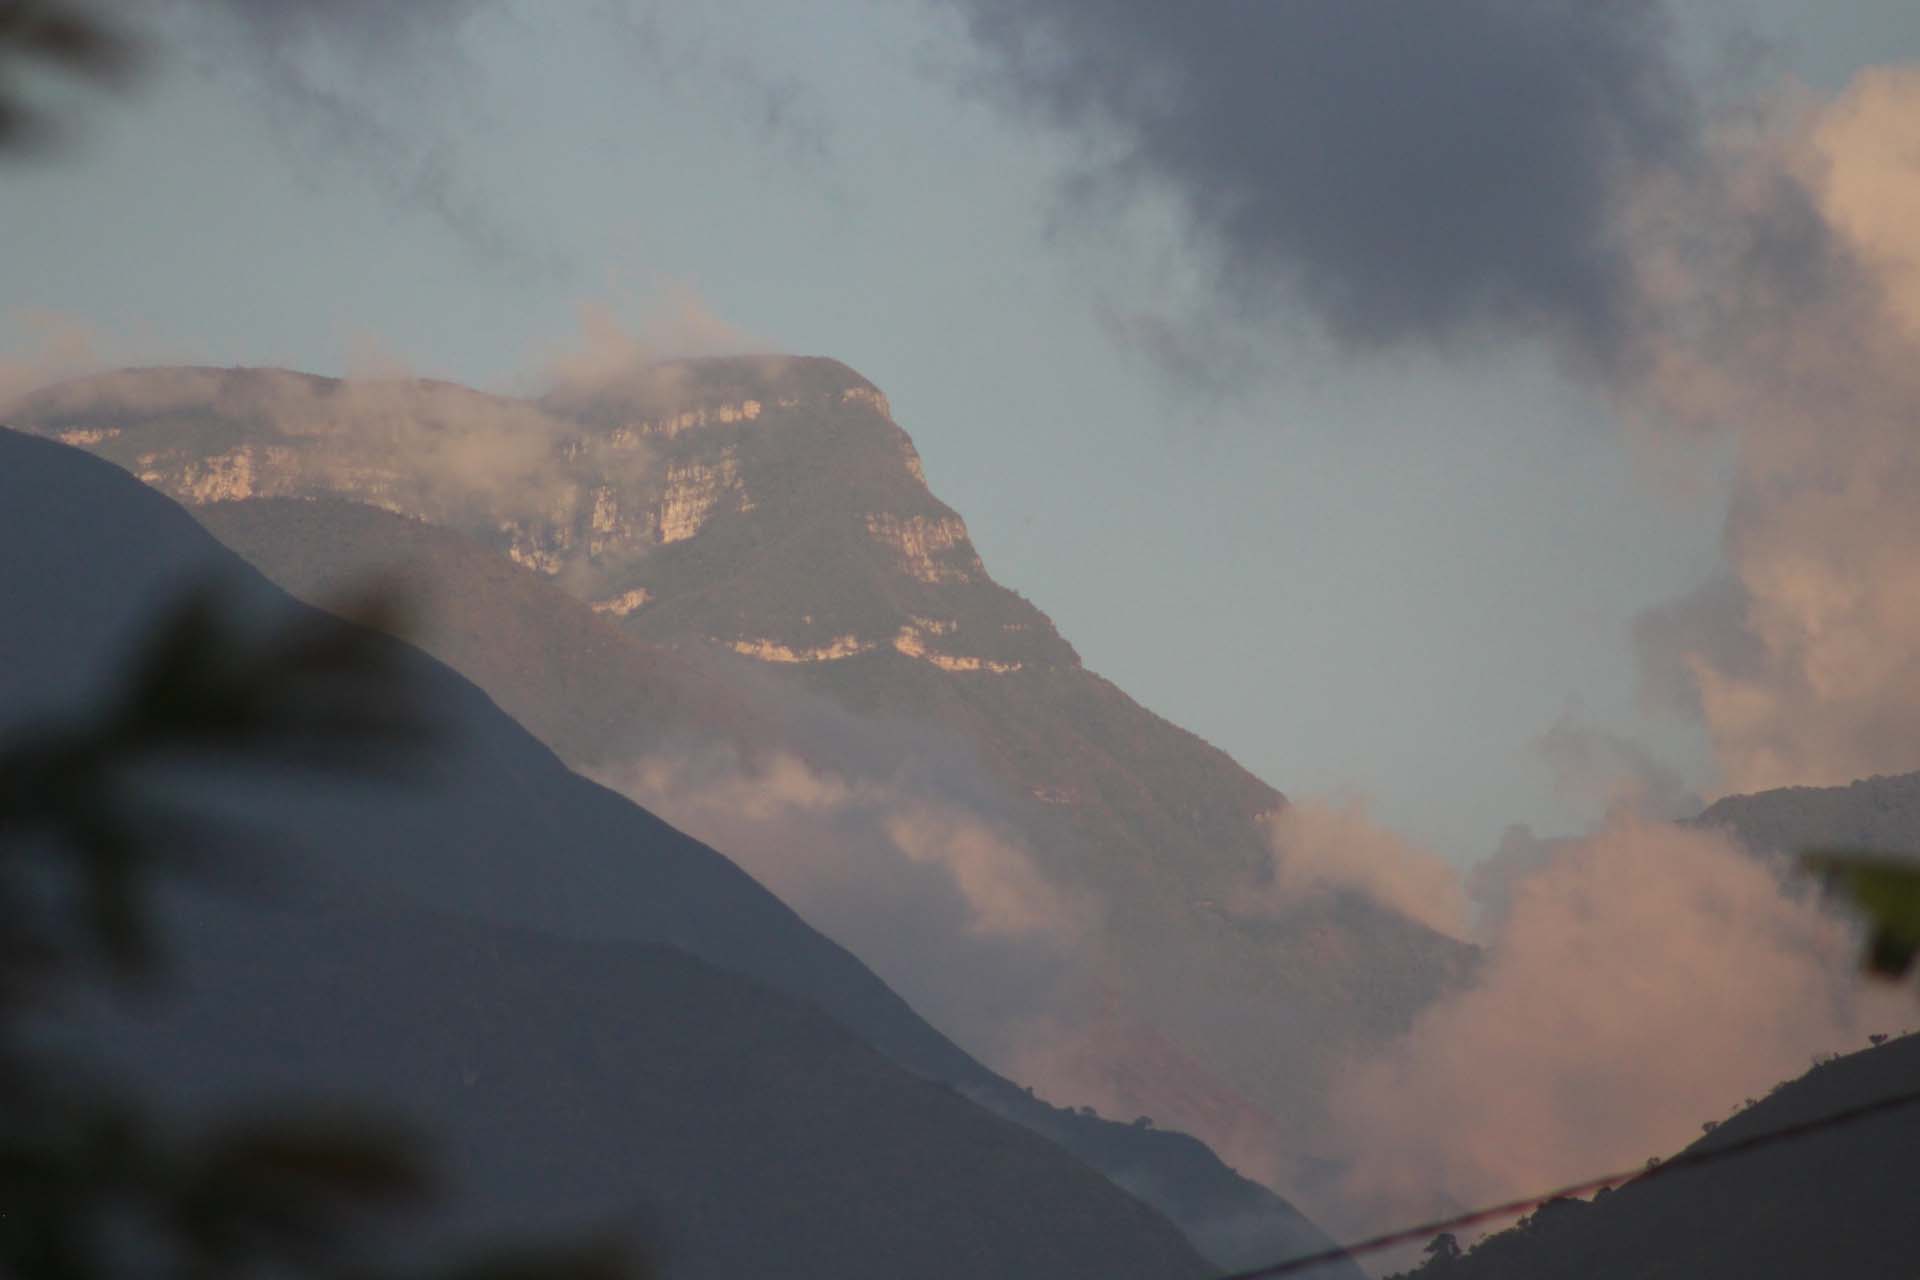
x: 315, y: 692
x: 67, y: 35
x: 91, y: 1186
x: 59, y: 34
x: 294, y: 1185
x: 312, y: 693
x: 342, y: 1154
x: 1886, y: 891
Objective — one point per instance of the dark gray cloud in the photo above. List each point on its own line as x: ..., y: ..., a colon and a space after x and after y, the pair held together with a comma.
x: 1409, y: 171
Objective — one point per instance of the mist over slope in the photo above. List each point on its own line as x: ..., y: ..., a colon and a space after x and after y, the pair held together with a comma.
x: 769, y: 509
x: 505, y: 841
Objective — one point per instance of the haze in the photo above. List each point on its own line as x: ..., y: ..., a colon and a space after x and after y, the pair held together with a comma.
x: 1490, y: 424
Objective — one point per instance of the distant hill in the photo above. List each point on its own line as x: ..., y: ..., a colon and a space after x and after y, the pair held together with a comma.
x: 768, y: 510
x: 469, y: 919
x: 1836, y: 1204
x: 1878, y: 813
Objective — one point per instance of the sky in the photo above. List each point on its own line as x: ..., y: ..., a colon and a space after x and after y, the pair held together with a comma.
x: 1219, y: 343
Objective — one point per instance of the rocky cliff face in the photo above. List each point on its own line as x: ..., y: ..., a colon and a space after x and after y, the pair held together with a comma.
x: 770, y: 509
x: 790, y: 470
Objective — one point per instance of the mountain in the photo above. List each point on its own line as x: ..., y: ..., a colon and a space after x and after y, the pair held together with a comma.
x: 769, y: 510
x: 497, y: 912
x: 1835, y: 1203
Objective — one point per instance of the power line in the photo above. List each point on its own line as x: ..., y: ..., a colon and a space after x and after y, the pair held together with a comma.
x: 1513, y: 1208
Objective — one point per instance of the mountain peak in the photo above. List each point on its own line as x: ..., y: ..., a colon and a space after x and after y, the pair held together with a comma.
x: 661, y: 391
x: 772, y: 496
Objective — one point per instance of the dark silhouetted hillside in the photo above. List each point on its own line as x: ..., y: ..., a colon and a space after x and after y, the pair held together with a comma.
x: 1835, y: 1204
x: 1878, y: 813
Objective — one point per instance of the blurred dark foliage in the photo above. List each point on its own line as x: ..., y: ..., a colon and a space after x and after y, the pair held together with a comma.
x: 309, y: 695
x: 60, y: 36
x: 92, y: 1182
x: 1441, y: 1253
x: 1886, y: 892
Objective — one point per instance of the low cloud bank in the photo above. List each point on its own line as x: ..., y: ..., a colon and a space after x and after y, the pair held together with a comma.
x: 1327, y: 847
x: 47, y: 348
x: 1636, y: 983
